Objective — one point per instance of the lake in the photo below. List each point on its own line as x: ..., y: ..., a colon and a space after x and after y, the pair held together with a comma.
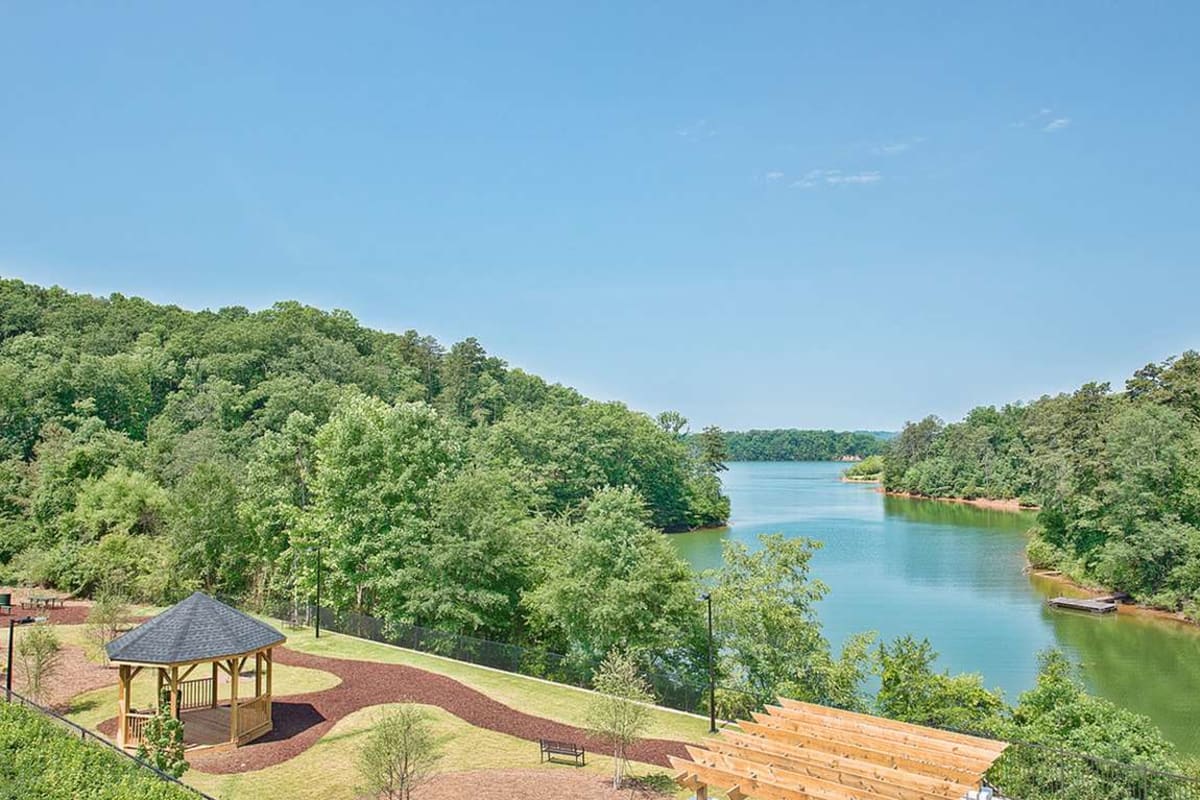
x: 954, y: 573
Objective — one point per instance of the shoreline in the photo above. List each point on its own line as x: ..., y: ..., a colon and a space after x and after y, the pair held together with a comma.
x: 1012, y: 506
x: 851, y: 479
x: 1085, y: 590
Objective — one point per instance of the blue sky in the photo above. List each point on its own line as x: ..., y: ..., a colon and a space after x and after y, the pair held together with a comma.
x: 768, y: 214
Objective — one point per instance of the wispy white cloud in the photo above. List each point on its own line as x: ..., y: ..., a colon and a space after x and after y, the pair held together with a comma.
x: 835, y: 177
x: 896, y: 148
x: 856, y: 177
x: 773, y: 175
x: 700, y: 129
x: 1045, y: 120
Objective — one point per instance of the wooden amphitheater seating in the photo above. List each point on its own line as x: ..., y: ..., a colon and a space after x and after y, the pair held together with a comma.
x: 801, y: 751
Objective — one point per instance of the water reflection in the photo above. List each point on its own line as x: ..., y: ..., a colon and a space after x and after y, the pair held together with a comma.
x: 954, y: 573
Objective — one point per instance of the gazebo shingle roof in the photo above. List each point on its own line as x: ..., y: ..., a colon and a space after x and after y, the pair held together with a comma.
x: 197, y: 629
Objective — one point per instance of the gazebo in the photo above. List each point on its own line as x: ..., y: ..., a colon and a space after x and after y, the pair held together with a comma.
x: 191, y: 634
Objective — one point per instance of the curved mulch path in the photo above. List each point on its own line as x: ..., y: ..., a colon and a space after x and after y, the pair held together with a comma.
x: 300, y: 720
x: 529, y: 784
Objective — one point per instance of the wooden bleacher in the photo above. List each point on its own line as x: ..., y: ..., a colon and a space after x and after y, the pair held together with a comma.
x: 801, y: 751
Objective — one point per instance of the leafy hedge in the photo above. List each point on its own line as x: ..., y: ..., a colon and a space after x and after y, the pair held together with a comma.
x: 40, y: 760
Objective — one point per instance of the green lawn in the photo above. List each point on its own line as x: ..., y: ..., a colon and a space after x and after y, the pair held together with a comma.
x: 328, y: 769
x: 551, y: 700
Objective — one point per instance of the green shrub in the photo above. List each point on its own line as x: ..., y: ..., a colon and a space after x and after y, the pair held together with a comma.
x: 40, y: 760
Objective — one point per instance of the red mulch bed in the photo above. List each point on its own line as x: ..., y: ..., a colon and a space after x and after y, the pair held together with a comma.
x: 74, y: 612
x: 529, y: 784
x: 300, y: 720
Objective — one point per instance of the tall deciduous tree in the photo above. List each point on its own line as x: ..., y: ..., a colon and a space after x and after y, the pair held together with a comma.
x: 610, y: 581
x: 374, y: 491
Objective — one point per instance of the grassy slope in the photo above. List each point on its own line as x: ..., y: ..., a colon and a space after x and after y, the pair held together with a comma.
x: 328, y: 770
x: 553, y: 701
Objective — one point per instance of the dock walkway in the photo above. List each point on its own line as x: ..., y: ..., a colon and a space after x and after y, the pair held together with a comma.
x: 1100, y: 605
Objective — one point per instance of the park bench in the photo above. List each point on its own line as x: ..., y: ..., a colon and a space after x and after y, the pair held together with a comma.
x: 552, y: 749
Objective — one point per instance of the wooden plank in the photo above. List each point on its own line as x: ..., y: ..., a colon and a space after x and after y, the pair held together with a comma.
x: 754, y: 787
x: 915, y: 736
x: 1079, y: 604
x: 971, y: 763
x: 919, y: 765
x: 813, y: 788
x: 882, y: 722
x: 884, y: 781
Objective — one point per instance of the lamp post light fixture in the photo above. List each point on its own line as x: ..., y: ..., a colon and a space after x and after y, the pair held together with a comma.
x: 712, y: 680
x: 8, y: 669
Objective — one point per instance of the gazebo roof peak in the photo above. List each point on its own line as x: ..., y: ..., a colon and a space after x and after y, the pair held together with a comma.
x: 197, y: 629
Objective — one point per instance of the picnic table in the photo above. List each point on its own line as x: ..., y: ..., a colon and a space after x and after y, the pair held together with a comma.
x: 42, y: 601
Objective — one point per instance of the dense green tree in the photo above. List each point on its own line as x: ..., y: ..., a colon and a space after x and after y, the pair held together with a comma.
x: 911, y: 690
x: 378, y: 471
x: 713, y: 449
x: 610, y: 581
x: 770, y: 639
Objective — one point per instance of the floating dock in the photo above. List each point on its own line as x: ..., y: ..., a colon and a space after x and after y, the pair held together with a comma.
x: 1100, y: 605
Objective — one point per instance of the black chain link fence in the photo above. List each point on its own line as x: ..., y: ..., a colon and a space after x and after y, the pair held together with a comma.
x: 671, y: 691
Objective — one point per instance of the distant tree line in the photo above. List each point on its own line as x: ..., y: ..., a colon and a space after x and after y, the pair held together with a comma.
x: 1115, y: 474
x: 793, y: 444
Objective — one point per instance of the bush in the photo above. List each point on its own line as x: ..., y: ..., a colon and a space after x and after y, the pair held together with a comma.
x: 39, y: 653
x: 40, y: 760
x: 1042, y: 554
x: 401, y: 753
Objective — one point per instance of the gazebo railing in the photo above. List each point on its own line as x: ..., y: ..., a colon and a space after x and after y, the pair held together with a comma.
x: 196, y: 693
x: 135, y: 724
x: 254, y: 714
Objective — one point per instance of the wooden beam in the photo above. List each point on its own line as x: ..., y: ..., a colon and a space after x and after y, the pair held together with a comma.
x: 270, y: 669
x: 911, y: 735
x: 883, y: 781
x: 258, y: 676
x: 837, y: 714
x: 215, y: 670
x: 735, y: 793
x: 814, y: 788
x: 795, y: 739
x: 970, y: 763
x: 175, y: 692
x: 122, y: 705
x: 233, y: 701
x: 184, y: 676
x: 762, y: 788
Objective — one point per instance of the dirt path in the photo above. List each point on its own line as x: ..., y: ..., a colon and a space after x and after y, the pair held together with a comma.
x: 300, y: 720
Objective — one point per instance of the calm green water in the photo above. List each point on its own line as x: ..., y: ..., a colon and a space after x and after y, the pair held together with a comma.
x: 953, y: 573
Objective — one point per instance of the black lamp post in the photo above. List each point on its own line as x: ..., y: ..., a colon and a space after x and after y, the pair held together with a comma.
x: 12, y: 623
x: 712, y: 680
x: 318, y: 591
